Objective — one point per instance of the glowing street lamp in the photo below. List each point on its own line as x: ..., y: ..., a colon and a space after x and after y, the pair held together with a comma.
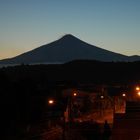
x: 137, y: 88
x: 138, y: 93
x: 123, y: 94
x: 74, y: 94
x: 50, y: 101
x: 102, y: 97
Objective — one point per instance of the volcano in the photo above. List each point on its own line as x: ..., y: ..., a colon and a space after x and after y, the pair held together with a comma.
x: 66, y: 49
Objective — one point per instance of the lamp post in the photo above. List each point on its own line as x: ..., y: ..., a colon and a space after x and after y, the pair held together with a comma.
x: 71, y: 96
x: 114, y: 108
x: 101, y: 105
x: 51, y: 102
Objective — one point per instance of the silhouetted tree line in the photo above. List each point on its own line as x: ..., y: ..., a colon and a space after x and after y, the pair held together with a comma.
x: 76, y: 71
x: 24, y: 88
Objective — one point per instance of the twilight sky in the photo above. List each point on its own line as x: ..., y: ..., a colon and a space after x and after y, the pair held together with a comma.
x: 110, y: 24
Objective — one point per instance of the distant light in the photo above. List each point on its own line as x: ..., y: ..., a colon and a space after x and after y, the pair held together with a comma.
x: 75, y: 94
x: 51, y: 101
x: 123, y: 94
x: 137, y: 88
x: 102, y: 97
x: 139, y: 93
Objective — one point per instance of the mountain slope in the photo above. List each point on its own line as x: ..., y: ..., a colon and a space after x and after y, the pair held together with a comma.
x: 66, y: 49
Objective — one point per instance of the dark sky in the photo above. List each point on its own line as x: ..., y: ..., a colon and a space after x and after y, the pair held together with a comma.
x: 110, y: 24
